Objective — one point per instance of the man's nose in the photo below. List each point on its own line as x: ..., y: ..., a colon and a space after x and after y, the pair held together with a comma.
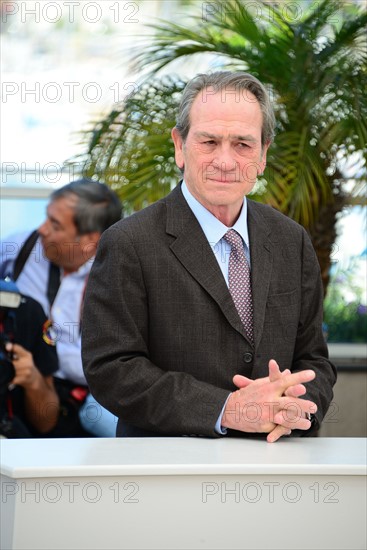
x: 225, y: 159
x: 43, y: 229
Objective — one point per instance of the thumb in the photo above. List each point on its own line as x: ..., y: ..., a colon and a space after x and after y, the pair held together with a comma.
x: 9, y: 346
x: 16, y: 350
x: 241, y: 381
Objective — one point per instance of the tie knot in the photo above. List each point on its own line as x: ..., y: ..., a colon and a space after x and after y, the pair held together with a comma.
x: 234, y: 239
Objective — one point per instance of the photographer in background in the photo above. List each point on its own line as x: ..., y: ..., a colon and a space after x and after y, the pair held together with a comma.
x: 29, y: 404
x: 52, y: 265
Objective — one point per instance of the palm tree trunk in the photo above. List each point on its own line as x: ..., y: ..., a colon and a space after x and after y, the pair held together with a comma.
x: 323, y: 231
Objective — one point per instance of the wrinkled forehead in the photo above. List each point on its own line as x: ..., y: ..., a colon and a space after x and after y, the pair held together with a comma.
x: 228, y: 107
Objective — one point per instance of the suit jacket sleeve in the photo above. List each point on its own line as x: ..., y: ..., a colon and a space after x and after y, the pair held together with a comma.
x: 116, y: 357
x: 310, y: 348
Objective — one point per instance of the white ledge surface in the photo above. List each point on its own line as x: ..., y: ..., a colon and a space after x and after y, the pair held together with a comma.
x: 35, y: 458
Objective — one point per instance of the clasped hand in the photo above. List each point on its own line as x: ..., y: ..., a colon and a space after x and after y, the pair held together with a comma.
x: 270, y: 405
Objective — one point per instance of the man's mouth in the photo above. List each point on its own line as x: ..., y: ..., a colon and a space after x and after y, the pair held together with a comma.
x: 228, y: 178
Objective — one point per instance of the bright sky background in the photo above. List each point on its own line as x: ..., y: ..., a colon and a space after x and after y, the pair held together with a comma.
x: 61, y: 70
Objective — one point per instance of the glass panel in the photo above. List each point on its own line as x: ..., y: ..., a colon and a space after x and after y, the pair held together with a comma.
x: 17, y: 215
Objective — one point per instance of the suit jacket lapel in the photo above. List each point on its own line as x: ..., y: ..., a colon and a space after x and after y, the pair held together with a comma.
x: 192, y: 249
x: 194, y: 252
x: 261, y: 265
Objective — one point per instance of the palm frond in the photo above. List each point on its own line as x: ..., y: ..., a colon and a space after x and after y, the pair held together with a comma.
x: 314, y: 66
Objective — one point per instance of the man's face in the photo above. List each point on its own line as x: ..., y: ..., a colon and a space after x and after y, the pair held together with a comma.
x: 61, y: 242
x: 222, y: 154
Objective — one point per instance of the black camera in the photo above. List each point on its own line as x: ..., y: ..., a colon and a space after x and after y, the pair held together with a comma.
x: 10, y: 300
x: 7, y: 371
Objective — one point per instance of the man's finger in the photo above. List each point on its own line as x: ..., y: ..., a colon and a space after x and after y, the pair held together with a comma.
x: 274, y: 371
x: 295, y: 391
x: 298, y: 423
x: 295, y: 378
x: 241, y: 381
x: 277, y: 433
x: 297, y: 406
x: 292, y: 413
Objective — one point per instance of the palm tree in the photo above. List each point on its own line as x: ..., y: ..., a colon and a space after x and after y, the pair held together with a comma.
x: 313, y: 63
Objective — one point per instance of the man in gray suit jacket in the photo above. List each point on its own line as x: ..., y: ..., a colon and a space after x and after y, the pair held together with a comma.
x: 164, y: 346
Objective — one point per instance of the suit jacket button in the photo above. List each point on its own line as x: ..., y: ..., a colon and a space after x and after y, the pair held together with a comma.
x: 248, y: 357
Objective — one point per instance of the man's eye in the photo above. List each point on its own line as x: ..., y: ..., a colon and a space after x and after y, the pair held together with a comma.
x: 243, y: 145
x: 209, y: 142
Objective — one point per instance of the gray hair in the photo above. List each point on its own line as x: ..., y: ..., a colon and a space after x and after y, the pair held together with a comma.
x: 97, y: 206
x: 226, y: 81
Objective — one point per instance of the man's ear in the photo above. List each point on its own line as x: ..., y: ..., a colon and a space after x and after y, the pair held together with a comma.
x: 178, y: 143
x: 262, y: 164
x: 88, y: 243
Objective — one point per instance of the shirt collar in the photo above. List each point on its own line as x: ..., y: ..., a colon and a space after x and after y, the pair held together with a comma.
x: 83, y: 270
x: 214, y: 229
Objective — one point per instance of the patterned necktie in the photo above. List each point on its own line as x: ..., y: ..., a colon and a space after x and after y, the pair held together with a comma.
x: 240, y: 282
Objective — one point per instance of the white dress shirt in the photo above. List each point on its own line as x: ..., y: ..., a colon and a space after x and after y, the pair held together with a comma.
x: 214, y: 231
